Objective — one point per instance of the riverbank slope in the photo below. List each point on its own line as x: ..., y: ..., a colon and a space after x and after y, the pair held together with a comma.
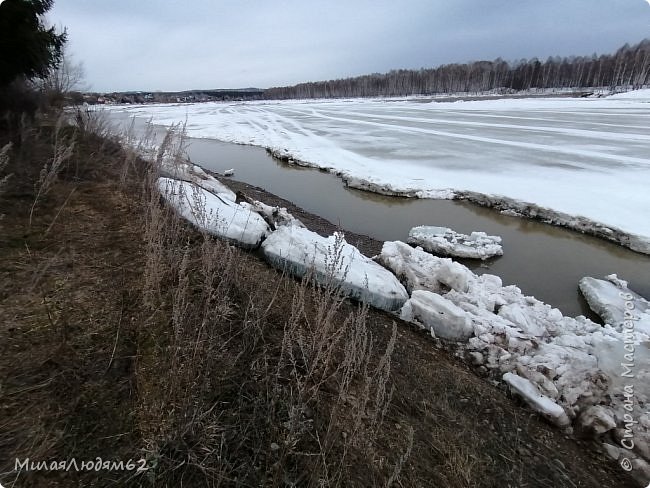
x: 129, y: 335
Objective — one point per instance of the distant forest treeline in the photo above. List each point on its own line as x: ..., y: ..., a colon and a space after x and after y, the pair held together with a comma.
x: 629, y: 66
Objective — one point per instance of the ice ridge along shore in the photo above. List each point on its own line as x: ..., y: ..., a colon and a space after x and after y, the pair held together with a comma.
x: 568, y: 369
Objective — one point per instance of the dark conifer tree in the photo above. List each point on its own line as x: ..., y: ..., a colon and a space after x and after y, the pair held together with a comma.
x: 27, y: 47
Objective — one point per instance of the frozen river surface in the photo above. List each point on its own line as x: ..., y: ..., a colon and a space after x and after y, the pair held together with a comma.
x: 584, y: 157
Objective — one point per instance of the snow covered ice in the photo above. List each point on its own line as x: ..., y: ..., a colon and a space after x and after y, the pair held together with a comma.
x: 444, y: 319
x: 638, y: 95
x: 300, y: 250
x: 616, y: 304
x: 422, y: 271
x: 543, y: 404
x: 278, y: 216
x: 446, y: 242
x: 195, y: 174
x: 583, y: 158
x: 214, y: 214
x: 572, y: 362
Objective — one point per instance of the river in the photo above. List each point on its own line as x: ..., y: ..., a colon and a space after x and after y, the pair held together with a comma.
x: 543, y: 260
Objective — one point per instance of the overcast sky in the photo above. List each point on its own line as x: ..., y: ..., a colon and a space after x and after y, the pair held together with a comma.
x: 179, y: 45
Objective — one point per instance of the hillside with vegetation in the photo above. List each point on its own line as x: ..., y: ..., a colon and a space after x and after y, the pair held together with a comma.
x: 628, y: 67
x: 128, y: 334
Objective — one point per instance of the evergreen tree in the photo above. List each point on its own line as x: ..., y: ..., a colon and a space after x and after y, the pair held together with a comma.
x: 27, y: 48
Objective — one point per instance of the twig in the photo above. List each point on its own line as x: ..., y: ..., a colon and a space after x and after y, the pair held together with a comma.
x: 117, y: 337
x: 60, y: 209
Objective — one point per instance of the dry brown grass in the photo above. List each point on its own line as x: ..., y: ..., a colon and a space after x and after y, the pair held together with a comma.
x: 4, y: 161
x: 62, y: 150
x: 208, y: 324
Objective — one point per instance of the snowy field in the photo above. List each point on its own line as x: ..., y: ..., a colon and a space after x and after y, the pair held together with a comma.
x: 583, y: 157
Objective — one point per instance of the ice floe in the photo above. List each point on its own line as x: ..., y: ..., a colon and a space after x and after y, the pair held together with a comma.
x: 213, y: 213
x: 195, y: 174
x: 532, y: 396
x: 446, y: 242
x: 275, y: 216
x: 331, y: 258
x: 441, y: 316
x: 616, y: 304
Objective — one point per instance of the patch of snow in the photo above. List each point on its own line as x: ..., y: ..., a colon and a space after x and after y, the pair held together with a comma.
x: 598, y: 419
x: 637, y: 95
x: 611, y: 450
x: 213, y: 213
x: 446, y: 242
x: 331, y: 258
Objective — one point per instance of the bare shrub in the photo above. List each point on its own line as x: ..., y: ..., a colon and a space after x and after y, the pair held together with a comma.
x: 136, y: 145
x: 63, y: 148
x: 4, y: 161
x: 92, y: 121
x: 161, y: 225
x: 60, y: 81
x: 322, y: 350
x: 394, y: 477
x: 171, y: 154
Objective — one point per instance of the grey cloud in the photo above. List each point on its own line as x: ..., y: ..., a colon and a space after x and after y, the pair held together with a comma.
x: 174, y: 45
